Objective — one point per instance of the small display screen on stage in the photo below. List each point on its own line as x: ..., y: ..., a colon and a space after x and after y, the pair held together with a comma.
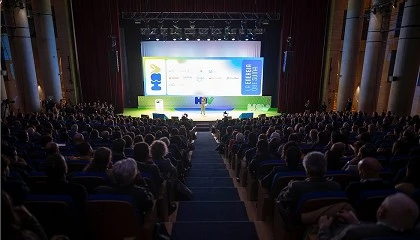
x: 209, y: 76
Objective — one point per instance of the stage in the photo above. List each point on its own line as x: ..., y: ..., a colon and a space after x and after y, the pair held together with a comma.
x: 194, y: 113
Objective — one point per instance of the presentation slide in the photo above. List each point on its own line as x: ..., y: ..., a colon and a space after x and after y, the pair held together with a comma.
x: 209, y: 76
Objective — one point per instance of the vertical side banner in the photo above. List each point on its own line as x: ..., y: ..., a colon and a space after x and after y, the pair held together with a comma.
x: 251, y: 77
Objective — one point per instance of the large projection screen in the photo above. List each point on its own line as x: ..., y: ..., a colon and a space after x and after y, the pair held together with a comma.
x: 210, y: 68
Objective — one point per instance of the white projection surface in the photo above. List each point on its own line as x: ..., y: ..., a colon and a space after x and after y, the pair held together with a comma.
x: 210, y: 68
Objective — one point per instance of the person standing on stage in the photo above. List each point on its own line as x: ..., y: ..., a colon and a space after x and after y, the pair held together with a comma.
x: 349, y: 104
x: 307, y: 106
x: 203, y: 105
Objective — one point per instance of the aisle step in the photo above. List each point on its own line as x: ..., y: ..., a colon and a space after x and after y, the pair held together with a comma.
x: 209, y: 182
x: 215, y: 194
x: 208, y: 173
x: 201, y: 166
x: 214, y: 230
x: 211, y: 211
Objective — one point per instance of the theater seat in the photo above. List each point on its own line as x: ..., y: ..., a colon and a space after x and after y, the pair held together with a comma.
x: 114, y: 217
x: 90, y: 180
x: 369, y: 202
x: 56, y: 213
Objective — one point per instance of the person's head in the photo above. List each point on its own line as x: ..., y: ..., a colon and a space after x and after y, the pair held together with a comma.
x: 293, y: 156
x: 262, y: 146
x: 315, y: 164
x: 338, y: 148
x: 398, y: 212
x: 138, y: 138
x: 313, y: 134
x: 128, y: 141
x: 118, y: 145
x: 94, y: 134
x: 252, y: 139
x: 158, y: 149
x: 85, y: 149
x: 283, y: 149
x: 78, y: 138
x: 74, y: 128
x: 165, y: 140
x: 101, y: 159
x: 51, y: 148
x: 367, y: 150
x: 369, y: 168
x: 56, y: 167
x: 240, y: 138
x: 141, y: 152
x: 400, y: 147
x: 149, y: 138
x: 124, y: 172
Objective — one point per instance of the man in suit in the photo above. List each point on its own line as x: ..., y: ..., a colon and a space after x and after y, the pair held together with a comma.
x: 315, y: 165
x: 396, y: 217
x: 369, y: 171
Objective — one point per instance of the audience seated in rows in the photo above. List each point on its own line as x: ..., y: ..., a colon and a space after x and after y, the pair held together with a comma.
x: 124, y: 176
x: 315, y: 165
x: 396, y: 217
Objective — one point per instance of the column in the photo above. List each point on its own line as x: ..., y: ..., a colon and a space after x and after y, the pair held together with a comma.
x: 352, y: 35
x: 374, y: 56
x: 23, y: 59
x: 407, y: 61
x: 47, y: 50
x: 3, y: 86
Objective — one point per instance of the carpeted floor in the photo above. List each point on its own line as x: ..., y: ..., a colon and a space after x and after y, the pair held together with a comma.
x: 216, y: 211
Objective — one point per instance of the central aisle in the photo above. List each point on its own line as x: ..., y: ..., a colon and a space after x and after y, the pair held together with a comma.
x: 216, y: 211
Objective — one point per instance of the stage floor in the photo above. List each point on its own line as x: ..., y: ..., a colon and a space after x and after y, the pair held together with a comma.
x: 211, y: 115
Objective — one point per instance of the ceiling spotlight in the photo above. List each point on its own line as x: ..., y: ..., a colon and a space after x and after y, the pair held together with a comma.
x: 233, y: 39
x: 187, y: 39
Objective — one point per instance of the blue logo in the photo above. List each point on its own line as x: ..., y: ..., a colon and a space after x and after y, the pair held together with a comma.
x: 155, y: 78
x: 209, y: 100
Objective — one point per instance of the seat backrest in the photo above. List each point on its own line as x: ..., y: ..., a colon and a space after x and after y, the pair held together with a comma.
x: 90, y: 180
x: 266, y: 166
x: 341, y: 177
x: 113, y: 217
x: 76, y: 165
x: 56, y: 213
x: 281, y: 179
x: 35, y: 178
x: 314, y: 200
x: 369, y: 202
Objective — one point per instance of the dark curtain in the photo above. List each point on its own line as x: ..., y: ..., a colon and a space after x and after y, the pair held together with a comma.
x: 305, y: 22
x: 134, y: 79
x: 270, y: 50
x: 96, y: 26
x: 271, y: 6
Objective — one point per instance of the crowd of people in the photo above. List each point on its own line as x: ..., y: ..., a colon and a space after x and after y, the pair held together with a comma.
x: 134, y: 156
x: 378, y: 152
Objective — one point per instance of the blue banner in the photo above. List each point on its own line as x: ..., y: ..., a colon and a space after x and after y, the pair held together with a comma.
x: 251, y: 77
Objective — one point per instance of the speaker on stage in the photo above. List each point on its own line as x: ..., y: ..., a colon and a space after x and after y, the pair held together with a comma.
x: 287, y: 61
x: 159, y: 115
x: 246, y: 115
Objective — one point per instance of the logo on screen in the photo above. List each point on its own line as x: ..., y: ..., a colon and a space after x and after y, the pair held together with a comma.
x: 197, y: 100
x: 155, y: 78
